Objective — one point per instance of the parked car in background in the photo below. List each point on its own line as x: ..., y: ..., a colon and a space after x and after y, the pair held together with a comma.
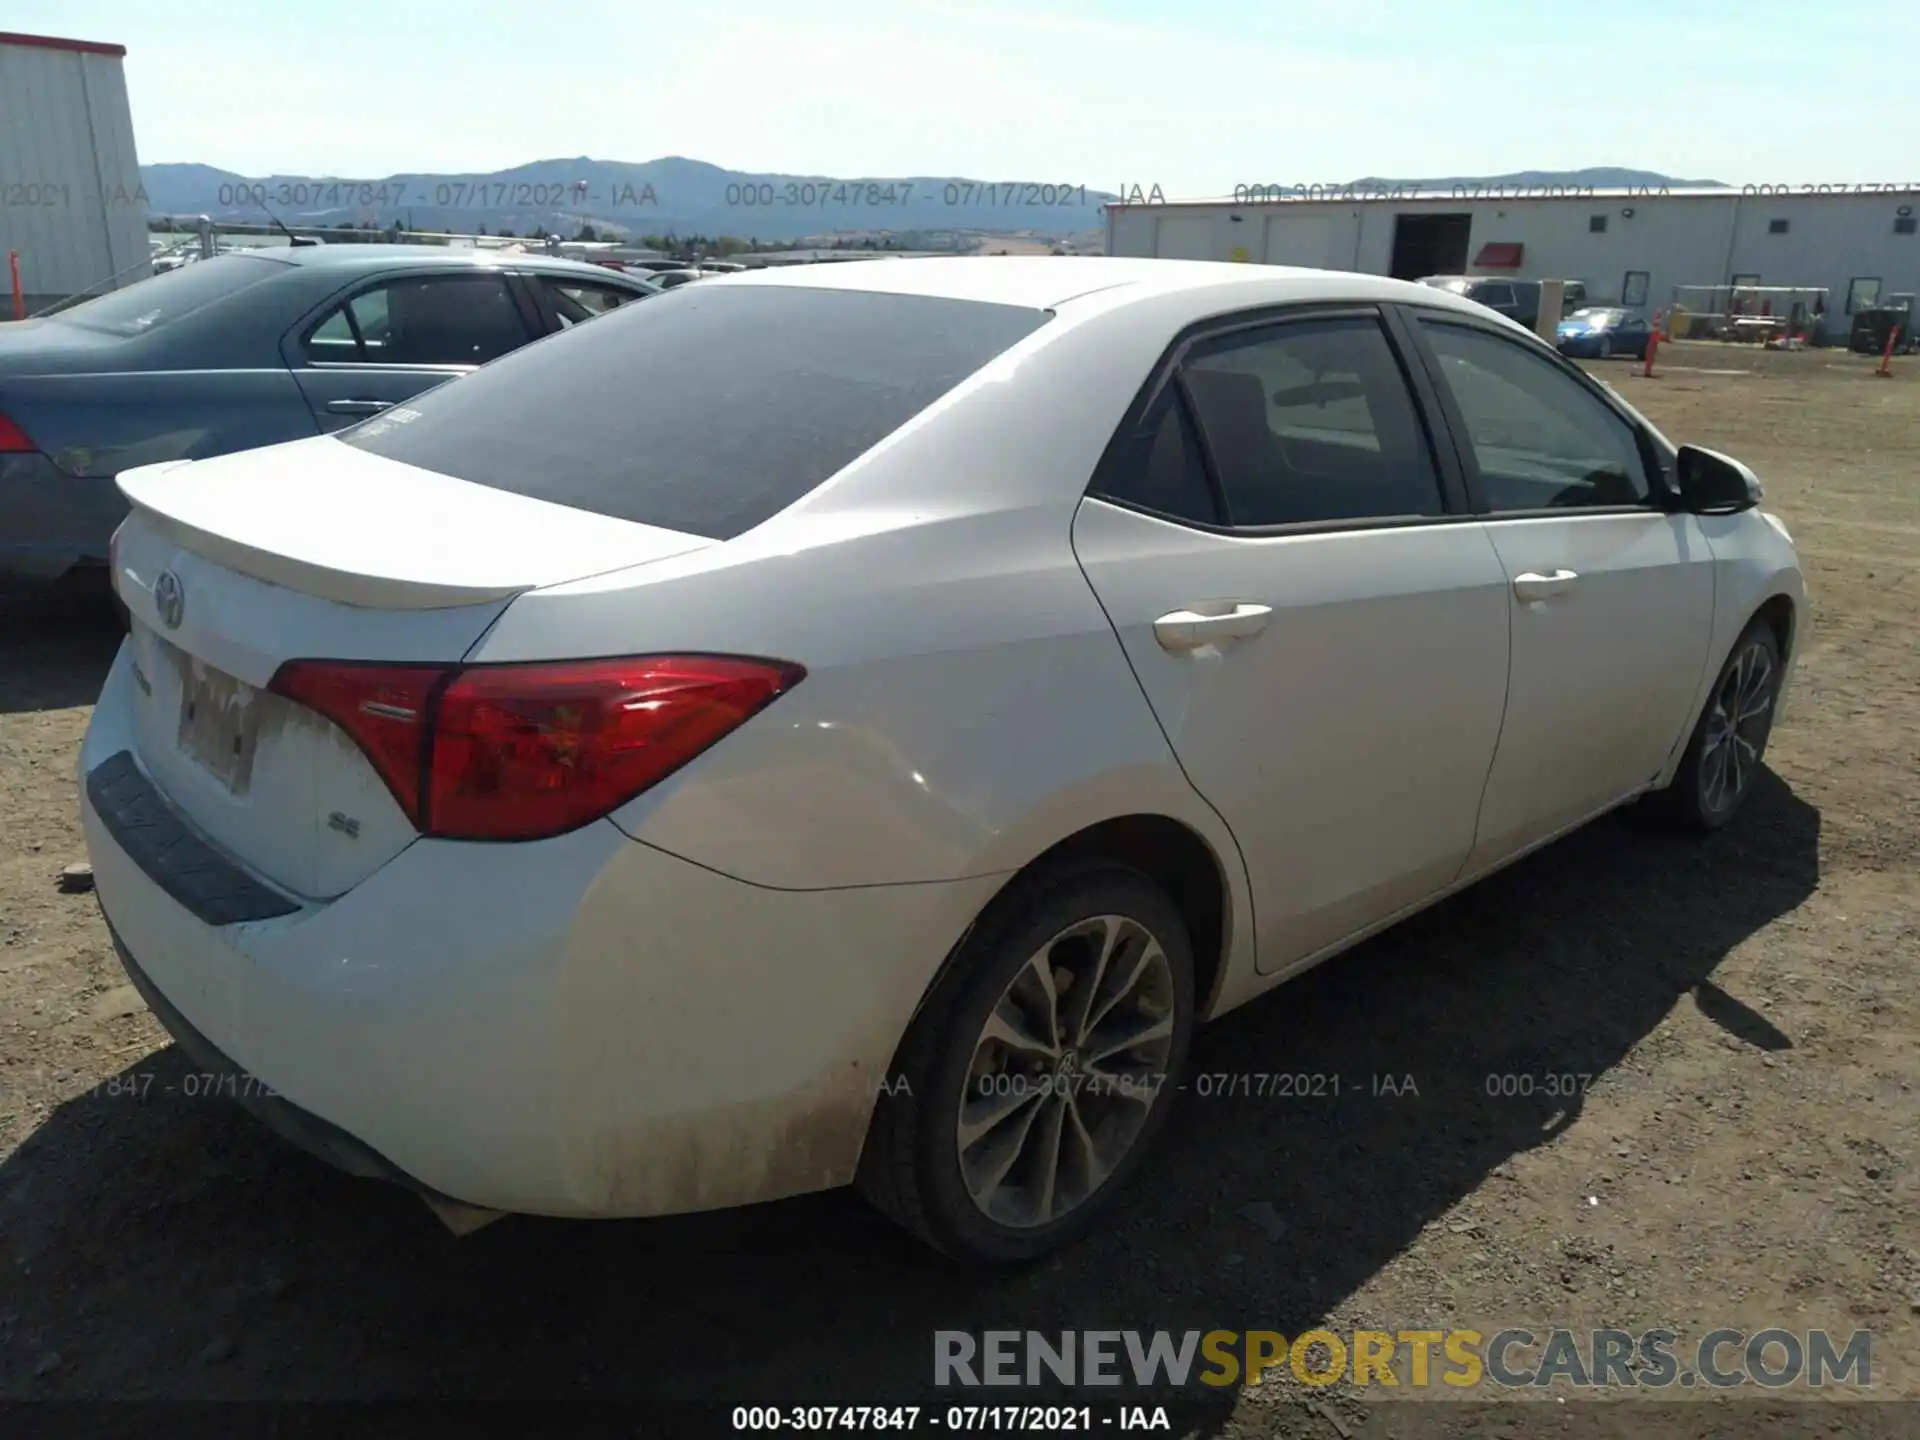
x: 1518, y: 300
x: 639, y: 276
x: 247, y: 349
x: 668, y: 279
x: 1142, y: 631
x: 1599, y: 332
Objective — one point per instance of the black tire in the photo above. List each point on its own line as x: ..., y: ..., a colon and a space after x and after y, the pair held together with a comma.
x: 910, y: 1169
x: 1606, y: 347
x: 1693, y: 800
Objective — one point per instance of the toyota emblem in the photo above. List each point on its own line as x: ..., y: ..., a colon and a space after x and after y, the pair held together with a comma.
x: 170, y: 599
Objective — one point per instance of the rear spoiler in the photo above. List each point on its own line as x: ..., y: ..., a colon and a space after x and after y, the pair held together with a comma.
x: 145, y: 490
x: 331, y: 520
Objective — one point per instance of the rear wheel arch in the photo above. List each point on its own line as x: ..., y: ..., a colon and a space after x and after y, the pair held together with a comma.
x: 1169, y: 852
x: 1150, y: 870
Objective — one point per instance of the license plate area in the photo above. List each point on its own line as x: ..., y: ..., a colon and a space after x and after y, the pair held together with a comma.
x: 219, y: 724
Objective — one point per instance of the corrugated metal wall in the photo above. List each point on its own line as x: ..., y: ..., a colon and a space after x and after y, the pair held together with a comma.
x: 70, y: 196
x: 1833, y: 240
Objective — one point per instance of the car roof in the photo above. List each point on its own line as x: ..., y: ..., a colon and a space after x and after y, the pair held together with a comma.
x: 1044, y: 282
x: 385, y: 257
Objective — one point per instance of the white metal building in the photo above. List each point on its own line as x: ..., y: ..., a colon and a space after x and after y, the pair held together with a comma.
x: 1627, y: 246
x: 71, y: 201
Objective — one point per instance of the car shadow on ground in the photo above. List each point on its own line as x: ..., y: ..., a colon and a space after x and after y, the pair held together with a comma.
x: 56, y: 644
x: 163, y: 1244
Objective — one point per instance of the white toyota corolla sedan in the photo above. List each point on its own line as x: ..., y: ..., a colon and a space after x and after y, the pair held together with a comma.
x: 850, y: 724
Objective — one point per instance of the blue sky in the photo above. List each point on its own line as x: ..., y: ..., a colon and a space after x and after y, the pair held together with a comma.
x: 1192, y: 95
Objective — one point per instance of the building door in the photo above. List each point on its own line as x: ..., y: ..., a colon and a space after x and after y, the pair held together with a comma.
x: 1185, y: 237
x: 1429, y: 245
x: 1319, y: 239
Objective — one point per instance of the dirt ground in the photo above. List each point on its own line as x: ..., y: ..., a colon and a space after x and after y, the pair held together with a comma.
x: 1748, y: 1154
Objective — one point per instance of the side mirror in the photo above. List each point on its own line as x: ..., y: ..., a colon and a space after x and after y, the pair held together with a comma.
x: 1715, y: 484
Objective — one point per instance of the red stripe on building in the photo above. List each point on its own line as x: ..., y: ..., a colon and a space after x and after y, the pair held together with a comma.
x: 54, y: 42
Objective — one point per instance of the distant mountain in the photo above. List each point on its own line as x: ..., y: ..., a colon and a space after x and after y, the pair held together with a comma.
x: 668, y: 195
x: 1600, y: 177
x: 675, y: 195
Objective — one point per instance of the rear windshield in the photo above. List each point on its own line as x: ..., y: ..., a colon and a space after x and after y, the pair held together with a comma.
x: 149, y: 304
x: 706, y: 410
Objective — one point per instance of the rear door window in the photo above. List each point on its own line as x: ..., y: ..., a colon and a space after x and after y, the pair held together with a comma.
x: 1157, y: 466
x: 575, y: 300
x: 422, y: 320
x: 706, y: 410
x: 1311, y: 421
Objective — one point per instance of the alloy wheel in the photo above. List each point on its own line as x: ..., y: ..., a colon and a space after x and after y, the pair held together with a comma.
x: 1737, y: 725
x: 1066, y: 1070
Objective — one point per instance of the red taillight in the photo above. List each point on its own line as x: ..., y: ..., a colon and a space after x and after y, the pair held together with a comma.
x: 13, y: 440
x: 384, y: 708
x: 516, y: 752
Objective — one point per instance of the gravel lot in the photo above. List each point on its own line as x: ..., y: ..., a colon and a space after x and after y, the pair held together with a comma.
x: 1748, y: 1153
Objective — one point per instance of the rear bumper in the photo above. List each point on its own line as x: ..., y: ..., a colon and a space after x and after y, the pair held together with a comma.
x: 583, y: 1026
x: 51, y: 521
x: 285, y: 1119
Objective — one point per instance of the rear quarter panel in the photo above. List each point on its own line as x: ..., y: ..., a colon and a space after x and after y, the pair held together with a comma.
x: 101, y: 424
x: 960, y: 714
x: 956, y: 720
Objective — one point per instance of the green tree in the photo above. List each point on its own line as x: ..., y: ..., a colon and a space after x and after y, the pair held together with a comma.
x: 587, y: 232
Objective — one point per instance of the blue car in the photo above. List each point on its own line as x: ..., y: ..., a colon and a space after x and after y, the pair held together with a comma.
x: 242, y: 350
x: 1601, y: 332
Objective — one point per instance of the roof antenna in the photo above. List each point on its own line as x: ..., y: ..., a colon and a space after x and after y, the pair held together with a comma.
x: 292, y: 239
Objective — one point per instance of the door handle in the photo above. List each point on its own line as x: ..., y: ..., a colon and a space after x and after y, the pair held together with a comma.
x: 1193, y: 627
x: 1533, y: 587
x: 358, y: 407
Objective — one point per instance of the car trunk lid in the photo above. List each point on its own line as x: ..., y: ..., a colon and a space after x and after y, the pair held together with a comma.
x: 233, y: 566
